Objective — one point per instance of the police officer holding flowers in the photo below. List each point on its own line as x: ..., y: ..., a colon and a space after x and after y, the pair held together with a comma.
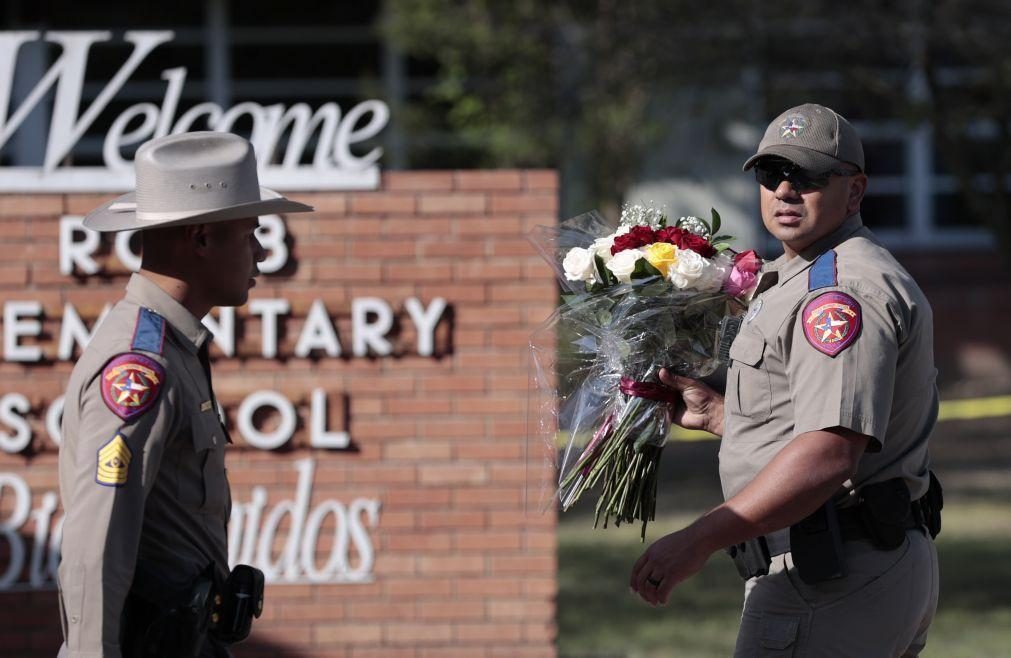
x: 831, y: 398
x: 144, y: 571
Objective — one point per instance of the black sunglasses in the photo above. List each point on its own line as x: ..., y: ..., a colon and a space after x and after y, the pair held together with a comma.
x: 770, y: 174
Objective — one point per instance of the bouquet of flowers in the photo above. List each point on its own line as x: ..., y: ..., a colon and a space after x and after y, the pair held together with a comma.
x: 649, y: 295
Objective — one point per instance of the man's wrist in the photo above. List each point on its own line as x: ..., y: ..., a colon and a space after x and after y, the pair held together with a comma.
x: 709, y: 532
x: 715, y: 424
x: 726, y: 525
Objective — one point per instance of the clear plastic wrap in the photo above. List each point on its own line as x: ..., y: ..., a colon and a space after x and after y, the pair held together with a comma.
x: 599, y: 400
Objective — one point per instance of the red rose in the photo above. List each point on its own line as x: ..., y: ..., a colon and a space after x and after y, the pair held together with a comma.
x: 644, y: 234
x: 639, y: 236
x: 748, y: 261
x: 698, y: 244
x: 671, y: 234
x: 686, y: 240
x: 623, y: 242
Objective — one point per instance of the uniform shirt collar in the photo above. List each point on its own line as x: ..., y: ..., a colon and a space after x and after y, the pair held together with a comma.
x: 791, y: 267
x: 144, y: 292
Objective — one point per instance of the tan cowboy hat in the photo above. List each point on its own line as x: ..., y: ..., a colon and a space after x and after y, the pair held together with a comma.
x: 192, y: 178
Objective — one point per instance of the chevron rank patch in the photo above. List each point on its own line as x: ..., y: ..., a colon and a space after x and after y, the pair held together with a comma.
x: 113, y: 462
x: 832, y: 322
x: 131, y: 383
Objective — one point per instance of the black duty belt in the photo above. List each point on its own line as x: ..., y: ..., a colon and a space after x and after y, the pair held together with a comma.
x: 850, y: 524
x: 882, y: 516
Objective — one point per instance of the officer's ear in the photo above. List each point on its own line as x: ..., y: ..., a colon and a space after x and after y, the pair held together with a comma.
x: 198, y: 237
x: 857, y: 187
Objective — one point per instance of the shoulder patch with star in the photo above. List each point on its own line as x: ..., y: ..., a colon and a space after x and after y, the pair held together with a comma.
x: 113, y: 462
x: 832, y: 322
x: 131, y: 383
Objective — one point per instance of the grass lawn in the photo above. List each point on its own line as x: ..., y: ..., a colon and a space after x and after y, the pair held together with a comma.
x: 599, y: 618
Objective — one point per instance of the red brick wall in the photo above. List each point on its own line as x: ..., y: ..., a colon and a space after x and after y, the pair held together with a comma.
x: 461, y: 568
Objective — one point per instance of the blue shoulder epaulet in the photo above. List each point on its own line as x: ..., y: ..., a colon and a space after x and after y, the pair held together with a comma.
x: 823, y: 273
x: 149, y: 334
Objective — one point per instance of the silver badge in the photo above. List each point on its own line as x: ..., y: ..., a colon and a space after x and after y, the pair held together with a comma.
x: 756, y: 306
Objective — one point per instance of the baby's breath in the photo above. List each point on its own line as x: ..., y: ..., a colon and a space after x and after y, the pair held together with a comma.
x: 643, y: 215
x: 695, y: 225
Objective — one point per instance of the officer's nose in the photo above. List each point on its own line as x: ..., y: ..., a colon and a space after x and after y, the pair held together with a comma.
x: 786, y: 190
x: 260, y: 254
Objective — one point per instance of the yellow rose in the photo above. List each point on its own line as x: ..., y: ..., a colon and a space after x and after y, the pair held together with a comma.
x: 662, y: 256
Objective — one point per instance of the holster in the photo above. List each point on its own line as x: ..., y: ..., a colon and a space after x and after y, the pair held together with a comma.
x: 160, y: 621
x: 885, y: 513
x: 816, y: 544
x: 238, y: 600
x: 928, y: 508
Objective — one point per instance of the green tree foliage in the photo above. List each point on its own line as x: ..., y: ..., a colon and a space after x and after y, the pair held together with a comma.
x: 586, y: 86
x: 560, y: 84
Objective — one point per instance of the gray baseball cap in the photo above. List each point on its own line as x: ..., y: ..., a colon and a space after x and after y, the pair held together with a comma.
x: 814, y: 137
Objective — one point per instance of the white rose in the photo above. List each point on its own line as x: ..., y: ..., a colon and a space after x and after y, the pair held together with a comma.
x: 623, y: 264
x: 602, y: 247
x: 578, y: 264
x: 714, y: 274
x: 688, y: 269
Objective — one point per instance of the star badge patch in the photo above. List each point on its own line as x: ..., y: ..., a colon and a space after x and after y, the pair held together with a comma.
x: 131, y: 383
x: 792, y: 126
x: 832, y: 322
x: 113, y: 462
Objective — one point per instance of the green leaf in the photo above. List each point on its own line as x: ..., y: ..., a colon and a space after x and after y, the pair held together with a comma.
x: 716, y: 221
x: 643, y: 270
x: 723, y: 238
x: 721, y: 246
x: 604, y: 275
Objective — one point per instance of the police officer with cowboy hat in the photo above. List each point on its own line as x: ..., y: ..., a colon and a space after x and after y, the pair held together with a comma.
x: 830, y: 505
x: 144, y: 568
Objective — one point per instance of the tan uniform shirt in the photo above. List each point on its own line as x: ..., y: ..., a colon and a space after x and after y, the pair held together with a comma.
x: 855, y: 352
x: 142, y: 474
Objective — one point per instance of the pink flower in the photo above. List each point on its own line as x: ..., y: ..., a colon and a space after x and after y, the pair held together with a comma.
x: 744, y: 276
x: 748, y: 261
x: 740, y: 282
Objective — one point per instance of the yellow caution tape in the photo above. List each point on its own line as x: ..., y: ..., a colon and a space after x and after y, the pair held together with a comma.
x: 975, y: 408
x: 681, y: 434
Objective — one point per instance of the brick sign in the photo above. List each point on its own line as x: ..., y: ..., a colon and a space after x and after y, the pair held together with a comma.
x: 376, y: 384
